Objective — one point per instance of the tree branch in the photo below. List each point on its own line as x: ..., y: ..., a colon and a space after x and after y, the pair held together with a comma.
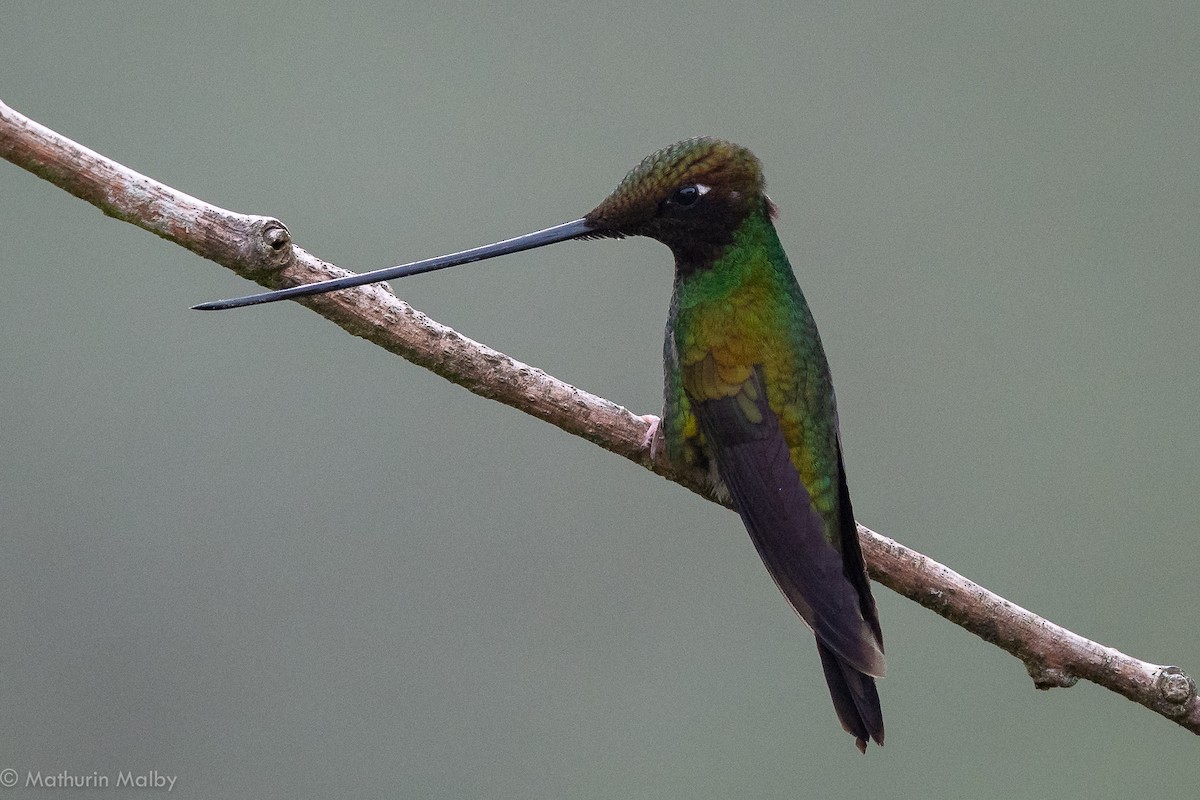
x: 260, y: 249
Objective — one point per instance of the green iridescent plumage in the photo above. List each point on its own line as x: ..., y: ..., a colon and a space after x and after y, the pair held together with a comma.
x: 749, y: 395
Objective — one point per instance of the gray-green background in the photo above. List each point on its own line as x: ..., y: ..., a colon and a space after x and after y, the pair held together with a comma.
x: 261, y: 555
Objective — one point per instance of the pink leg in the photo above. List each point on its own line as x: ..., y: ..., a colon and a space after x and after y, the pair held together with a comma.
x: 651, y: 439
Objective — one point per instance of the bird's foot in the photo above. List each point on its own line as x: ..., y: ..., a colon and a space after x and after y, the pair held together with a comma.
x: 652, y: 438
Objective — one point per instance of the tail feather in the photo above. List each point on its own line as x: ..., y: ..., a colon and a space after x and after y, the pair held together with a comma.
x: 812, y: 552
x: 854, y: 698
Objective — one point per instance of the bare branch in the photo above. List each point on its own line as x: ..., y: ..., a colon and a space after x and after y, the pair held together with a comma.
x: 1053, y: 655
x: 260, y: 249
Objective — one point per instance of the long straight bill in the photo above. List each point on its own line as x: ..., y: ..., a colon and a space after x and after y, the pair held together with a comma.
x: 559, y: 233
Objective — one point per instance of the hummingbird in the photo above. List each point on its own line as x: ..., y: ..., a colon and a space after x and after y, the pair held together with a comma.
x: 749, y: 398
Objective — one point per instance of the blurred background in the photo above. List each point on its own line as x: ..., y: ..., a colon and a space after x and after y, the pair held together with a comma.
x: 265, y: 557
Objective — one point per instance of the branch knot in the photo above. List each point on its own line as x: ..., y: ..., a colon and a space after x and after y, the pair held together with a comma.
x: 1177, y: 690
x: 1046, y: 678
x: 267, y: 245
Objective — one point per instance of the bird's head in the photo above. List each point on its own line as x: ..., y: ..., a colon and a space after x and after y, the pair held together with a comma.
x: 691, y: 196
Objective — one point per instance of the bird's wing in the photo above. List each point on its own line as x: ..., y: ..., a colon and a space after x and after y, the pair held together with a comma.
x: 754, y: 461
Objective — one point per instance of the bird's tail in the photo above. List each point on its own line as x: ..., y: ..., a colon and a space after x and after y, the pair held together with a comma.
x: 854, y: 698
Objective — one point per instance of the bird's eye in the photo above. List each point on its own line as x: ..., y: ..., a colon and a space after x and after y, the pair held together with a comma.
x: 685, y: 196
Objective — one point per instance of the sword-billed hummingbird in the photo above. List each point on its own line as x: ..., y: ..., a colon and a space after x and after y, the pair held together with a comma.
x: 748, y: 390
